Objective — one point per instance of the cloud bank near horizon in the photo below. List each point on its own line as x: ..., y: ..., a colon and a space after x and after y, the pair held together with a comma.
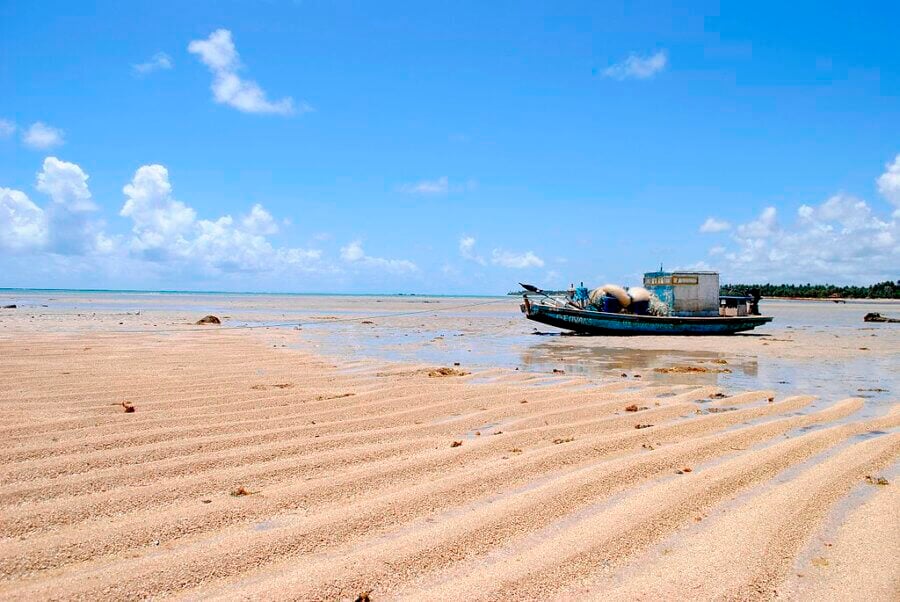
x: 841, y: 239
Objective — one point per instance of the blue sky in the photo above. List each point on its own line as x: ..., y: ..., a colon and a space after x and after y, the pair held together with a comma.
x: 462, y: 147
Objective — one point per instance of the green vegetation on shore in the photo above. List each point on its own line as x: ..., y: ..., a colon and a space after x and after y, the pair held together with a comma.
x: 880, y: 290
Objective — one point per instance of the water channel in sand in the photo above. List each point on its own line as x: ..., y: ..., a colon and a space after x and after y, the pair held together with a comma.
x: 819, y: 348
x: 736, y: 363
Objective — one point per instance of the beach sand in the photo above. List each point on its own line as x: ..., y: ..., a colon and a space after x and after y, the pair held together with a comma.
x: 284, y: 464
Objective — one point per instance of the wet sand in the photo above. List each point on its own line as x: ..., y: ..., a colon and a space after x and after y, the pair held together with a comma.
x: 283, y: 464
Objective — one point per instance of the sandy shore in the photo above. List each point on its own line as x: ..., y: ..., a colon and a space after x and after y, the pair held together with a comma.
x: 254, y: 467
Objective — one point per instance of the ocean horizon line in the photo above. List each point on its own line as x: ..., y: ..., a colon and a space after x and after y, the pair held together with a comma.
x: 246, y: 293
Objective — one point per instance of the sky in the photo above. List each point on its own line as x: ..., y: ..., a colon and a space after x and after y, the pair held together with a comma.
x: 447, y: 148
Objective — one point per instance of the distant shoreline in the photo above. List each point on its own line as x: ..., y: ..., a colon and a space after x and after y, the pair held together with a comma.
x: 241, y: 293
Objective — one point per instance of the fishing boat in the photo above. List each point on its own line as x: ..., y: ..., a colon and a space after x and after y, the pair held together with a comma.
x: 670, y: 303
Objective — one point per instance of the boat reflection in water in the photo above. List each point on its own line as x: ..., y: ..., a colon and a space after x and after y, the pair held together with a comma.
x: 656, y: 365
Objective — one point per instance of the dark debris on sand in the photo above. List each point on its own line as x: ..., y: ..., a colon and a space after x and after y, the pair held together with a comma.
x: 442, y: 372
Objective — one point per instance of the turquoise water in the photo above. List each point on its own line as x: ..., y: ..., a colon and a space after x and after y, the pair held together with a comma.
x: 79, y: 291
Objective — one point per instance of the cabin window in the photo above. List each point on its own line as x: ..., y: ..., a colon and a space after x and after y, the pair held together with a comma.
x: 659, y: 281
x: 685, y: 280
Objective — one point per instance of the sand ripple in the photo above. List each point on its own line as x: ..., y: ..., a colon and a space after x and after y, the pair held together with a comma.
x: 353, y: 482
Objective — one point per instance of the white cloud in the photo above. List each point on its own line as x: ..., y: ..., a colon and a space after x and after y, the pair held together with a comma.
x: 7, y: 128
x: 428, y: 187
x: 159, y: 222
x: 697, y: 266
x: 66, y: 184
x: 158, y: 62
x: 467, y: 250
x: 712, y: 225
x: 226, y: 246
x: 840, y: 240
x: 509, y: 259
x: 637, y: 67
x: 889, y: 184
x: 448, y: 269
x: 41, y: 136
x: 259, y: 221
x: 70, y: 228
x: 763, y: 226
x: 219, y: 54
x: 23, y: 225
x: 167, y: 238
x: 167, y: 231
x: 354, y: 253
x: 64, y: 226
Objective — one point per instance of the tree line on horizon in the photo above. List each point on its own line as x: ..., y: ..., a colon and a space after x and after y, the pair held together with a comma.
x: 880, y: 290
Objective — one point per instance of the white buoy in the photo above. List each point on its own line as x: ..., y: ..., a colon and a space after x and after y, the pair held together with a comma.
x: 639, y: 293
x: 613, y: 290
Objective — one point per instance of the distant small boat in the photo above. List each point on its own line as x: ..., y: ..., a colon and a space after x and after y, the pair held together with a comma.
x: 686, y: 303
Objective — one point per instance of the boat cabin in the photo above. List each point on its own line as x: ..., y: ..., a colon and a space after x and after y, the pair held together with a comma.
x: 687, y: 293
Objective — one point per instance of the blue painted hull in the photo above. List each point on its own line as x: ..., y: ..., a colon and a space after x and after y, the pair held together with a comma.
x: 602, y: 323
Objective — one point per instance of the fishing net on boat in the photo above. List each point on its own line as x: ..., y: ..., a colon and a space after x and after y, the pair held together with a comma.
x: 613, y: 290
x: 657, y: 307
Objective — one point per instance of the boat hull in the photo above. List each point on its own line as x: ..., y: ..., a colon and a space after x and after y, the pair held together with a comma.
x: 603, y: 323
